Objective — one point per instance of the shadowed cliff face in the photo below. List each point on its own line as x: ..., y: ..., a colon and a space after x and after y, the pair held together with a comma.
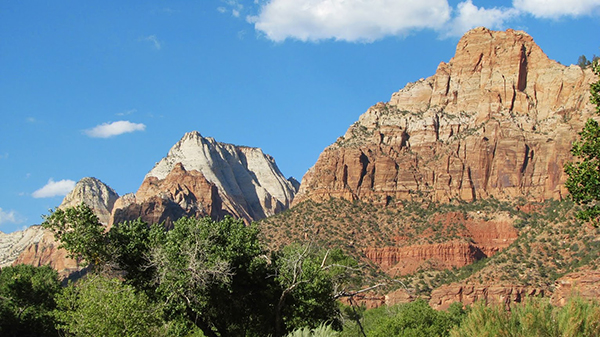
x: 497, y: 120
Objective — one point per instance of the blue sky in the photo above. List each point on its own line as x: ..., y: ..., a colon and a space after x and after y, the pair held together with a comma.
x: 105, y: 88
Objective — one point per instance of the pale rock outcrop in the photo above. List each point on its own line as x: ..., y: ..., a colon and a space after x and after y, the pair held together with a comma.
x: 497, y: 120
x: 13, y: 244
x: 41, y: 248
x: 203, y: 177
x: 94, y: 193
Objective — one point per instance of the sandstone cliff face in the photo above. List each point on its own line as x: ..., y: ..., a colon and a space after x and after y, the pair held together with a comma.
x: 584, y: 283
x: 46, y: 252
x: 202, y: 177
x: 397, y: 261
x: 442, y: 297
x: 94, y: 193
x: 13, y: 244
x: 479, y: 238
x: 497, y: 120
x: 180, y: 193
x: 36, y: 246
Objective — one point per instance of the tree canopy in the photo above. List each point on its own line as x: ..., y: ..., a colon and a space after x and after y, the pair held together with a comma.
x: 584, y: 175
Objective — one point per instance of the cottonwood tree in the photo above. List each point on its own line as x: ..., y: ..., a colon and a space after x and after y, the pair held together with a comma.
x: 27, y: 300
x: 584, y: 175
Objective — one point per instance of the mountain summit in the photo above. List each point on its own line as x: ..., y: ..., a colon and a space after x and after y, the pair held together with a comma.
x: 497, y: 120
x: 203, y: 177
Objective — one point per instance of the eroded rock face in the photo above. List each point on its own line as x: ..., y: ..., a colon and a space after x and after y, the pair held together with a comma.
x: 180, y: 193
x: 202, y: 177
x: 46, y: 252
x: 36, y: 245
x: 397, y: 261
x: 442, y: 297
x: 497, y: 120
x: 477, y: 238
x: 94, y: 193
x: 13, y: 244
x: 583, y: 283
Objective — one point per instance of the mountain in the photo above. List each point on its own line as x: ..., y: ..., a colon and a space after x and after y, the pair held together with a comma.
x: 203, y: 177
x: 496, y: 121
x: 36, y: 246
x: 441, y: 184
x: 198, y: 177
x: 94, y: 193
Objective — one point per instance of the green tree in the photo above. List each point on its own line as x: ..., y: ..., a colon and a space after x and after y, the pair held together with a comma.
x: 216, y: 274
x: 419, y: 319
x: 27, y: 300
x: 101, y: 306
x: 584, y: 175
x: 311, y: 280
x: 79, y: 232
x: 128, y: 246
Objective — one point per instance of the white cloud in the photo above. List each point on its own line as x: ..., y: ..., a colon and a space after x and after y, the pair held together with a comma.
x: 107, y: 130
x: 154, y: 40
x: 54, y: 188
x: 347, y: 20
x: 4, y: 156
x: 469, y: 16
x: 554, y: 9
x: 9, y: 217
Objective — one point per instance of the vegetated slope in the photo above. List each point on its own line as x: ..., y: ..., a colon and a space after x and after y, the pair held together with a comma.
x: 551, y: 244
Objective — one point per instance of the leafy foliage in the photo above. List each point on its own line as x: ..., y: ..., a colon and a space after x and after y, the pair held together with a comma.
x: 584, y: 176
x: 214, y: 272
x: 535, y: 317
x: 411, y: 319
x: 79, y: 232
x: 101, y: 306
x: 27, y: 300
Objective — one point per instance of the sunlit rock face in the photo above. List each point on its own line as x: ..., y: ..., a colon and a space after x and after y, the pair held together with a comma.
x: 497, y: 121
x: 203, y: 177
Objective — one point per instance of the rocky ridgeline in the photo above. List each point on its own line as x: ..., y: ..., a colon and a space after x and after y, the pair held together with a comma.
x: 198, y: 177
x: 497, y: 120
x: 203, y: 177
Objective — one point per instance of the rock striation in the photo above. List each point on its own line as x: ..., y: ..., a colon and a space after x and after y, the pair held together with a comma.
x: 398, y: 261
x: 497, y: 120
x: 442, y: 297
x: 40, y: 248
x: 94, y: 193
x: 203, y: 177
x: 584, y: 283
x: 13, y: 244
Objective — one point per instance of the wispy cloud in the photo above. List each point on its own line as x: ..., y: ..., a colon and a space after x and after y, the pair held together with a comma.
x: 367, y: 21
x: 54, y: 188
x: 4, y: 156
x: 108, y: 130
x: 31, y: 120
x: 231, y: 6
x: 10, y: 217
x: 554, y: 9
x: 126, y: 113
x: 155, y: 41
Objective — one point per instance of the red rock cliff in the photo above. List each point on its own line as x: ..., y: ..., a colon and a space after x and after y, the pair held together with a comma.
x: 497, y: 120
